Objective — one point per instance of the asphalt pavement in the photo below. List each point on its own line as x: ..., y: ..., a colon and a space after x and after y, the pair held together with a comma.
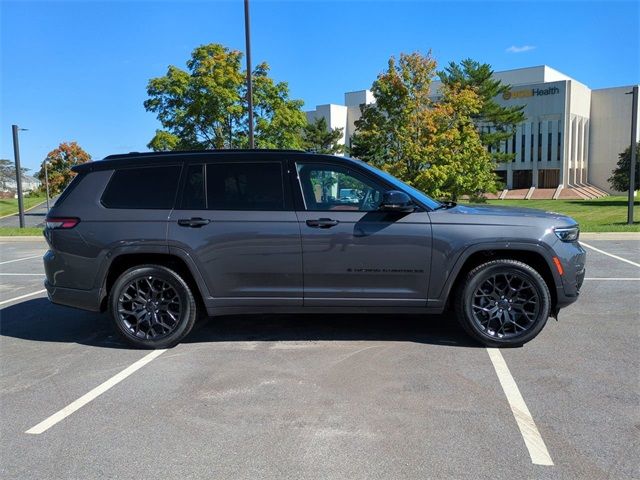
x: 319, y: 397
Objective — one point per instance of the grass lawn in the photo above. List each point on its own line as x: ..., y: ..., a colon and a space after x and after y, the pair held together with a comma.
x: 15, y: 231
x: 9, y: 206
x: 607, y: 214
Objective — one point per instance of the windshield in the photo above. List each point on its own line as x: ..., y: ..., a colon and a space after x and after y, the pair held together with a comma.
x: 414, y: 192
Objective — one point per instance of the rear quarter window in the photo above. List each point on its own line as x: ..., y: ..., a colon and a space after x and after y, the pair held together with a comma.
x: 142, y: 188
x: 69, y: 188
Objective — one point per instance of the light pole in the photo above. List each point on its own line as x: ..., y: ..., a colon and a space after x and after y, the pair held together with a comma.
x: 46, y: 182
x: 247, y: 33
x: 632, y: 162
x: 16, y: 154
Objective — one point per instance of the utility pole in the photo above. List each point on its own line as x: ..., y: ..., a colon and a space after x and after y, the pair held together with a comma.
x: 632, y: 163
x: 247, y: 33
x: 16, y: 154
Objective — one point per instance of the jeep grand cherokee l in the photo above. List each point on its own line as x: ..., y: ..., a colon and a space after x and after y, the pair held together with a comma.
x: 156, y: 238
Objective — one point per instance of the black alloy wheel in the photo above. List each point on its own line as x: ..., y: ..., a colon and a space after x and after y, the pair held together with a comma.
x: 152, y: 306
x: 503, y: 303
x: 149, y: 307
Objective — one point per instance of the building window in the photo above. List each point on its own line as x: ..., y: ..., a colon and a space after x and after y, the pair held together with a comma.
x: 522, y: 147
x: 539, y: 141
x: 513, y: 147
x: 559, y: 156
x: 549, y: 142
x: 531, y: 146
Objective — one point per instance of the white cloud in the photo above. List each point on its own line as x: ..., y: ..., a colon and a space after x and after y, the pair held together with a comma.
x: 524, y: 48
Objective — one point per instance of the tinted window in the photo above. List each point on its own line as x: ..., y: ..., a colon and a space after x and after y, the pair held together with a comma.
x: 145, y: 187
x: 331, y: 187
x: 74, y: 183
x: 245, y: 186
x: 193, y: 194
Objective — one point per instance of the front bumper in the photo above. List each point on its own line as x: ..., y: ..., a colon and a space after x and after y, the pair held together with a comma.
x: 73, y: 297
x: 573, y: 259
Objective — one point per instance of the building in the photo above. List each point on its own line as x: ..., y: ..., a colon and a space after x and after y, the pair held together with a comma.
x: 570, y: 140
x: 8, y: 184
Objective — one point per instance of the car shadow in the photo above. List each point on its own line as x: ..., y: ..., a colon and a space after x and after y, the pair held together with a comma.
x: 40, y: 321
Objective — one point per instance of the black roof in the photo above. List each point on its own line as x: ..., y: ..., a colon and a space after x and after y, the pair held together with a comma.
x: 184, y: 152
x: 149, y: 158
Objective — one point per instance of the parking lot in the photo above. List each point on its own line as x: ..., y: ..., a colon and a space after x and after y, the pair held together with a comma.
x: 322, y: 397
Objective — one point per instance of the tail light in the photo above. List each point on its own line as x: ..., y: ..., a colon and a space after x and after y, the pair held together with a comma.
x: 61, y: 222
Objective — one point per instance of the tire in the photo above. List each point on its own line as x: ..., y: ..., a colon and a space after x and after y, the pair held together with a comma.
x: 503, y: 303
x: 152, y: 307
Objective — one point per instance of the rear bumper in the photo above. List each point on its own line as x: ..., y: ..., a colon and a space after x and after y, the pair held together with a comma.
x: 73, y: 297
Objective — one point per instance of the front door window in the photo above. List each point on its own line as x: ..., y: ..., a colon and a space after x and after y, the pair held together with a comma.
x: 331, y: 188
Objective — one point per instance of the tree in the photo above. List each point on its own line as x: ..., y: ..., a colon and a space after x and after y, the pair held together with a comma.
x: 432, y: 145
x: 460, y: 163
x: 205, y: 106
x: 317, y: 137
x: 60, y: 160
x: 619, y: 180
x: 502, y: 121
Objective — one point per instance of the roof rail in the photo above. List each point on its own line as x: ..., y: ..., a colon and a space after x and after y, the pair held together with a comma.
x: 182, y: 152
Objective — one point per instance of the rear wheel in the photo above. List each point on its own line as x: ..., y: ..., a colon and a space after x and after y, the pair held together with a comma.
x: 152, y: 306
x: 503, y: 303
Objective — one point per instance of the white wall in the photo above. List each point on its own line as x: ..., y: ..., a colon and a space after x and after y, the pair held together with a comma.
x: 353, y: 101
x: 610, y: 132
x: 335, y: 115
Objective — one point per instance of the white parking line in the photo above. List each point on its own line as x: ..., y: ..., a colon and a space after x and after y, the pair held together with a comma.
x: 23, y: 296
x: 532, y: 438
x: 20, y: 259
x: 93, y: 394
x: 610, y: 254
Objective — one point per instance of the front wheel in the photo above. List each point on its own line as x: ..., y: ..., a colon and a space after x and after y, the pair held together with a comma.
x: 503, y: 303
x: 152, y: 306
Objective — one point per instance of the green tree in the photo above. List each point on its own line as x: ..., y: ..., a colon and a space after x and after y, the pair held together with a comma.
x: 460, y: 163
x: 619, y: 180
x: 317, y: 137
x: 205, y: 106
x: 60, y: 160
x: 501, y: 120
x: 432, y: 145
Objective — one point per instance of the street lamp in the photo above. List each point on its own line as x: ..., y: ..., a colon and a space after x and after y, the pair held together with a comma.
x: 16, y: 153
x: 247, y: 33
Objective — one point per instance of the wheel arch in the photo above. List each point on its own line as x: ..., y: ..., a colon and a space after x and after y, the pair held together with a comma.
x: 533, y: 255
x: 174, y: 261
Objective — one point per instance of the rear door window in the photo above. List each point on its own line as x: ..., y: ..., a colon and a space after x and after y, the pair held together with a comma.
x: 245, y: 186
x: 142, y: 188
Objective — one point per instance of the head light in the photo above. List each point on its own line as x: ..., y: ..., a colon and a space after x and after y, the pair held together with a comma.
x: 567, y: 234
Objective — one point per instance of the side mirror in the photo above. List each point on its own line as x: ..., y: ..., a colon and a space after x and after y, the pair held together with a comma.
x: 396, y: 201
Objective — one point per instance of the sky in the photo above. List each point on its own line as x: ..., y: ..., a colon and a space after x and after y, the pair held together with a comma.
x: 78, y: 70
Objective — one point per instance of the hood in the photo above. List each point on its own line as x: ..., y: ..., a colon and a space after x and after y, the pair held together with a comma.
x: 510, y: 215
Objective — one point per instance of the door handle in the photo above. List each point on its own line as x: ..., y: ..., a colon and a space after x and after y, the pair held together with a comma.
x: 322, y: 223
x: 194, y: 222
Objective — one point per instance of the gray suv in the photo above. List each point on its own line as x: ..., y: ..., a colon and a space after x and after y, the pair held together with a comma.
x: 158, y: 238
